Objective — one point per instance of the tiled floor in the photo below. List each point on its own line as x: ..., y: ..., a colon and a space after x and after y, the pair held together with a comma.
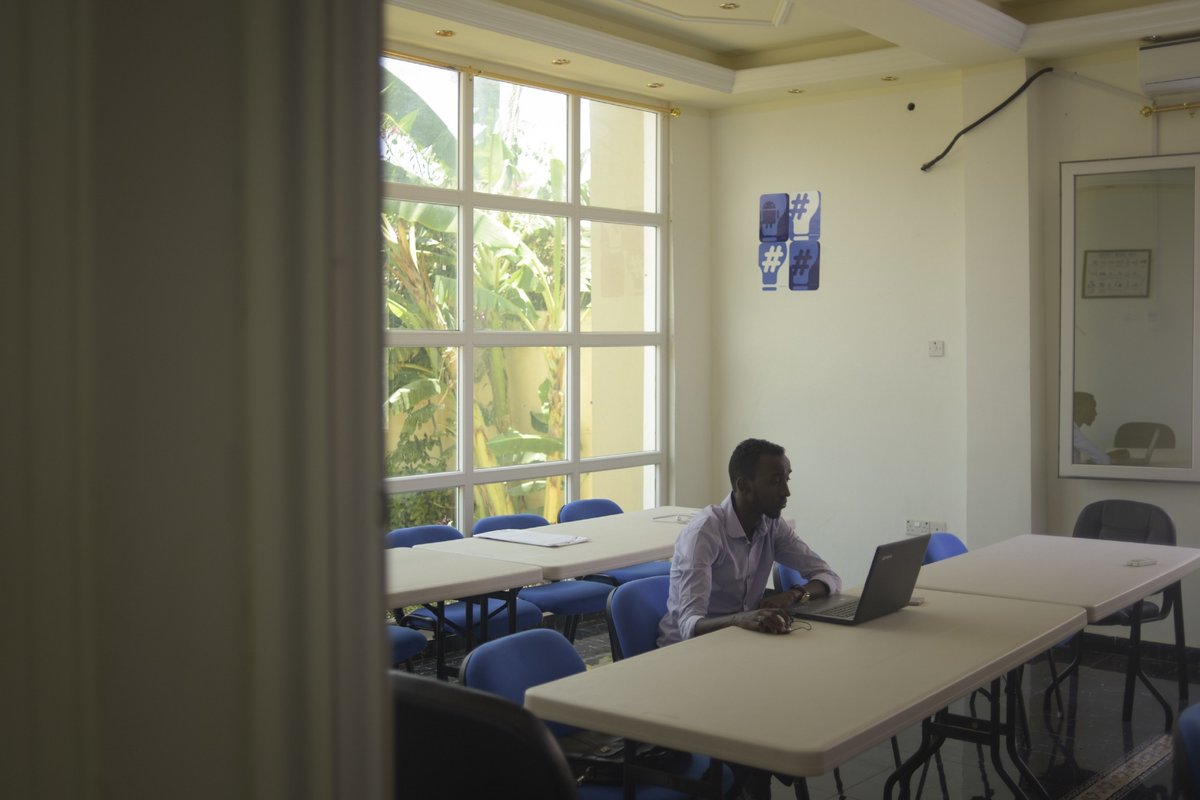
x: 1085, y: 755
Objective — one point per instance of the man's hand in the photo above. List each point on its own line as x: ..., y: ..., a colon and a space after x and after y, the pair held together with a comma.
x: 783, y: 599
x: 764, y: 620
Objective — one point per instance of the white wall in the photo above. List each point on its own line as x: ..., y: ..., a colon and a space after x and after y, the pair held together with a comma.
x: 968, y: 253
x: 841, y: 376
x: 1090, y: 111
x: 691, y: 310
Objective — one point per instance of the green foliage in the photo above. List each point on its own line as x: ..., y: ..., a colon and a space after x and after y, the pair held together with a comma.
x: 517, y: 269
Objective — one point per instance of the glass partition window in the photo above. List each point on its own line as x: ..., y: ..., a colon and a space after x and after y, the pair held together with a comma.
x: 1129, y: 300
x: 523, y: 324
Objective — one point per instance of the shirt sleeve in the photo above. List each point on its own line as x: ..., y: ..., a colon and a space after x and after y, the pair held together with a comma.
x: 694, y: 560
x: 792, y: 551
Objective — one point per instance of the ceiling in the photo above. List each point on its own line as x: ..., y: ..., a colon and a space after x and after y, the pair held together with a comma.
x: 714, y: 54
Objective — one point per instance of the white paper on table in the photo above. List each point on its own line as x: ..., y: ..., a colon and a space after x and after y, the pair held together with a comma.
x: 538, y: 538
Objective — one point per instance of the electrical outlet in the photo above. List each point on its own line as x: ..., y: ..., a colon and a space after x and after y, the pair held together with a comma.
x: 915, y: 527
x: 919, y: 527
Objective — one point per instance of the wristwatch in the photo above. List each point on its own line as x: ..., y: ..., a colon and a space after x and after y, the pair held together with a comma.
x: 804, y: 596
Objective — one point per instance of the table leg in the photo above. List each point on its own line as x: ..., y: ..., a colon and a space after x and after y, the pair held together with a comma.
x: 931, y: 740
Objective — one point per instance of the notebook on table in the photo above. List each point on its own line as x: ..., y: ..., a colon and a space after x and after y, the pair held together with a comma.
x: 888, y: 588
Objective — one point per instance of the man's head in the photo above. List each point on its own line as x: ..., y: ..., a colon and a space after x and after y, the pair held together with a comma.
x: 1085, y: 408
x: 758, y: 474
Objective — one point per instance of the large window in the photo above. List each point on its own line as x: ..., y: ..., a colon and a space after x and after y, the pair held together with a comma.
x: 537, y: 377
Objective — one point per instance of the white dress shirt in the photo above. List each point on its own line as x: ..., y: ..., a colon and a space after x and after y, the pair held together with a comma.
x: 716, y: 570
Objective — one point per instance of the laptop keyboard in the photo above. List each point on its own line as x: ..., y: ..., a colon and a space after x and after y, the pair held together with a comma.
x: 845, y: 610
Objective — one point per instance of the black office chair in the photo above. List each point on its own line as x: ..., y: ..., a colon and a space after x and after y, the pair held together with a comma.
x: 1133, y: 521
x: 512, y: 754
x: 1141, y: 434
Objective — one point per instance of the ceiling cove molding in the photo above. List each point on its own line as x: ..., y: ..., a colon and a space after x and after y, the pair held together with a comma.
x: 576, y: 39
x: 977, y: 18
x: 1113, y: 28
x: 776, y: 18
x: 837, y: 69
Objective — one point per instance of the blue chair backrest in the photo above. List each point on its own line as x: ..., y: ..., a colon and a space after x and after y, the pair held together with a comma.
x: 943, y: 545
x: 586, y: 509
x: 634, y: 611
x: 1187, y: 751
x: 502, y: 522
x: 511, y: 664
x: 786, y: 577
x: 420, y: 534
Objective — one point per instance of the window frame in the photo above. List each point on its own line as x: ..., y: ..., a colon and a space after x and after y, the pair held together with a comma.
x: 466, y: 339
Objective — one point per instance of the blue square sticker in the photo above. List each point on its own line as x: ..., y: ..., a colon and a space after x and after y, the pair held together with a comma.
x: 804, y: 266
x: 806, y: 215
x: 773, y: 218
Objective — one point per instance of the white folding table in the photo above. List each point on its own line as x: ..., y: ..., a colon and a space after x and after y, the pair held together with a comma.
x: 617, y: 540
x: 806, y: 702
x: 1094, y: 574
x: 427, y: 577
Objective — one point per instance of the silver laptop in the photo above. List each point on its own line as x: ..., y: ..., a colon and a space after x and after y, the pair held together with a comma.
x: 889, y: 586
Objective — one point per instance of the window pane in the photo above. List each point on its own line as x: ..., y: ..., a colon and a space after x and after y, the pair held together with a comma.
x: 619, y: 149
x: 420, y: 269
x: 436, y: 507
x: 518, y: 267
x: 518, y: 405
x: 618, y: 390
x: 421, y: 410
x: 418, y: 130
x: 632, y: 488
x: 617, y: 277
x: 542, y: 496
x: 520, y: 140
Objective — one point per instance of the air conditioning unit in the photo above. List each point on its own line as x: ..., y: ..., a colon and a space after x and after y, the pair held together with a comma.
x: 1170, y: 67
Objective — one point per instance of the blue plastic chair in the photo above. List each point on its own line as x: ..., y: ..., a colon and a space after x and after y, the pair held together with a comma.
x: 943, y: 545
x: 592, y: 507
x: 634, y: 611
x: 1186, y: 741
x: 455, y: 614
x: 404, y: 645
x: 786, y: 577
x: 509, y: 666
x: 569, y: 599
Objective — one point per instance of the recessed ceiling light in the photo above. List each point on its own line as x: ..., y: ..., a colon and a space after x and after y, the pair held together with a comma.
x: 730, y: 6
x: 795, y: 91
x: 558, y: 62
x: 655, y: 85
x: 889, y: 78
x: 444, y: 32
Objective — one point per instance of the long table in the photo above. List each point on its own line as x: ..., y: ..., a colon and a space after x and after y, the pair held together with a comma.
x: 618, y: 540
x: 1094, y: 574
x: 427, y: 577
x: 744, y: 697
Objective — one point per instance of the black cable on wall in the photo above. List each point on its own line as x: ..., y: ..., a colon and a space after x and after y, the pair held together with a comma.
x: 925, y: 167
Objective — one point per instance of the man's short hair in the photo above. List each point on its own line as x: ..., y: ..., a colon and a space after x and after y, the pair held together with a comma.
x: 1083, y: 400
x: 745, y: 458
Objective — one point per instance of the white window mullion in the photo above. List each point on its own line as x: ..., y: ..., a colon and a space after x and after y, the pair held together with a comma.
x: 466, y: 298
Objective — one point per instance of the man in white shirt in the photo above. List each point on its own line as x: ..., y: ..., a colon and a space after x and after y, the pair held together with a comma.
x: 1083, y: 450
x: 724, y: 558
x: 725, y: 555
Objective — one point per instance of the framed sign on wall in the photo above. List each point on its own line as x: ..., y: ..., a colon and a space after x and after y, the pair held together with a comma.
x: 1116, y: 273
